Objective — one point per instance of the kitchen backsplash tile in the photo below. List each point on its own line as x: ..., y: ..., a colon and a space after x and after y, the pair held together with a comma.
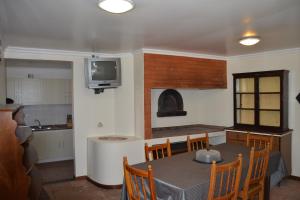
x: 47, y: 114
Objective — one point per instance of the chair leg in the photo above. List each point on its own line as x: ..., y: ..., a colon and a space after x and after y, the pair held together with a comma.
x: 261, y: 195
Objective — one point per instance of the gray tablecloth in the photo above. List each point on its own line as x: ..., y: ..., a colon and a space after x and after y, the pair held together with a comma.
x: 182, y: 178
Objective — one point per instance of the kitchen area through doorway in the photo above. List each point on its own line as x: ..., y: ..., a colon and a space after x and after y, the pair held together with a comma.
x: 44, y: 89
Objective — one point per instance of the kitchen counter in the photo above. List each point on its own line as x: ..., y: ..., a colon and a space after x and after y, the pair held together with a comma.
x: 50, y: 127
x: 10, y: 107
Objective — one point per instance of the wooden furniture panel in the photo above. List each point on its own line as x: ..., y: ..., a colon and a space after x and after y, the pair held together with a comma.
x: 14, y: 183
x: 261, y: 100
x: 166, y: 71
x: 281, y: 143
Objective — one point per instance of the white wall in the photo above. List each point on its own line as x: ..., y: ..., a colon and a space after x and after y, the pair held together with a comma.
x: 88, y: 109
x: 124, y: 99
x: 139, y: 94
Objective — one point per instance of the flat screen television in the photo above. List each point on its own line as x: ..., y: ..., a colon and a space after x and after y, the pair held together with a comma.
x: 103, y: 72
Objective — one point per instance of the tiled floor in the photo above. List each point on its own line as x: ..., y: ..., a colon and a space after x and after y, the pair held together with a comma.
x: 80, y: 189
x: 83, y: 189
x: 56, y: 171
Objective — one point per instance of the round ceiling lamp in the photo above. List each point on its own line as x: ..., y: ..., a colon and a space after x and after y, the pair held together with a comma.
x: 116, y: 6
x: 250, y: 40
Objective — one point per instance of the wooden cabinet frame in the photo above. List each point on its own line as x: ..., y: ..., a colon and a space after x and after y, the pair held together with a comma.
x: 283, y: 74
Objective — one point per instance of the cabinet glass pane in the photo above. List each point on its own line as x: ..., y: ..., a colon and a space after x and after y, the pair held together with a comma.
x: 245, y: 116
x: 269, y: 101
x: 269, y: 84
x: 269, y: 118
x: 245, y: 100
x: 245, y: 85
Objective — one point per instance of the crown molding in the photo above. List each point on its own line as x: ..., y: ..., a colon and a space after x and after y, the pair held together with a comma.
x: 13, y: 49
x: 181, y: 53
x: 266, y: 53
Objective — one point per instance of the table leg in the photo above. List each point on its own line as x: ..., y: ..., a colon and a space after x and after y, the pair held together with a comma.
x: 267, y: 188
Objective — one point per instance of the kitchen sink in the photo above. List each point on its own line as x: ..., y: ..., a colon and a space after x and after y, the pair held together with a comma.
x: 41, y: 128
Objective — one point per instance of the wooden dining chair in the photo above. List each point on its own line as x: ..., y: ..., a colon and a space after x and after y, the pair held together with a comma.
x: 158, y: 151
x: 225, y: 180
x: 255, y: 180
x: 136, y: 180
x: 197, y: 143
x: 259, y: 141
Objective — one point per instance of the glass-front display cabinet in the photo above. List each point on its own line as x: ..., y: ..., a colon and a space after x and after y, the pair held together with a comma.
x: 261, y: 100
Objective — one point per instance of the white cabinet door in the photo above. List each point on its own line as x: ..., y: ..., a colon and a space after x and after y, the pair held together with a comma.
x: 47, y: 145
x: 39, y: 91
x: 31, y: 91
x: 53, y: 145
x: 13, y: 89
x: 67, y: 144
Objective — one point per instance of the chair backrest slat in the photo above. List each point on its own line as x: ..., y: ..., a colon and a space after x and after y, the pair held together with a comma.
x: 259, y: 141
x: 158, y: 151
x: 225, y: 186
x: 193, y: 144
x: 258, y: 165
x: 136, y: 184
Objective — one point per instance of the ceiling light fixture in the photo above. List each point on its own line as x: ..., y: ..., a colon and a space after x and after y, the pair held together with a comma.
x: 250, y: 40
x: 116, y: 6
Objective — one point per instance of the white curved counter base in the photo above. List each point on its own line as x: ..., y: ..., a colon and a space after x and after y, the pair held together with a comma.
x: 105, y: 158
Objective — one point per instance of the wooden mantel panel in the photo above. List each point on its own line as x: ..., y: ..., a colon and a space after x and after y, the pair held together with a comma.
x: 165, y: 71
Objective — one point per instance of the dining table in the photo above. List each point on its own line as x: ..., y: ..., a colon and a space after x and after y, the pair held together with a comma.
x: 181, y: 177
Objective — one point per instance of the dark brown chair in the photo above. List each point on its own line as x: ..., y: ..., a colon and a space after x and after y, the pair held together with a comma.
x: 225, y: 180
x: 255, y: 180
x: 158, y: 151
x: 135, y: 180
x: 259, y: 141
x: 197, y: 143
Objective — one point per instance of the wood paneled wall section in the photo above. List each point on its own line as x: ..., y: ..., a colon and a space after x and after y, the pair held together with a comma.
x: 165, y: 71
x: 14, y: 183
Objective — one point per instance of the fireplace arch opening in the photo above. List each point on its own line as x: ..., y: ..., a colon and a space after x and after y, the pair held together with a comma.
x: 170, y: 103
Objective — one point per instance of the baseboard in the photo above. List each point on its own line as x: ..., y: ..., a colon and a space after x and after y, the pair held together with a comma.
x: 105, y: 186
x: 296, y: 178
x: 54, y: 160
x: 81, y: 178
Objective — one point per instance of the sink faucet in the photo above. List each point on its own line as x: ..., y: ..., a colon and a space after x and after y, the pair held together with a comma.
x: 39, y: 123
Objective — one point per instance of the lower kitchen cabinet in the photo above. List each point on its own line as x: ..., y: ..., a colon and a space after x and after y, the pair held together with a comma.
x: 53, y: 145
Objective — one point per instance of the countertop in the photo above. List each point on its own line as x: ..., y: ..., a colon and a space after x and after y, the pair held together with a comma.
x: 54, y: 127
x: 185, y: 130
x: 10, y: 107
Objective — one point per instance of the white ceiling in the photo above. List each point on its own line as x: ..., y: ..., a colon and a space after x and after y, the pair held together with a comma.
x: 200, y: 26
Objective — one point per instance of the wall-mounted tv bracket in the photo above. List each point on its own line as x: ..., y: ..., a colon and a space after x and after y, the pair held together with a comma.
x: 98, y: 90
x: 298, y: 98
